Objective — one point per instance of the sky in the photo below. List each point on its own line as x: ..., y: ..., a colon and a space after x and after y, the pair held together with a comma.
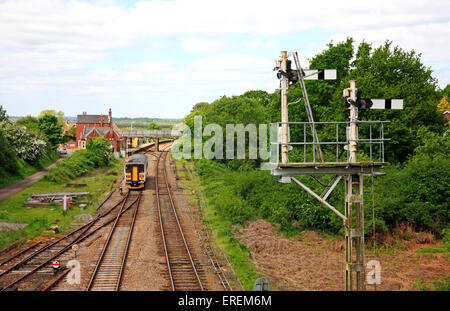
x: 158, y: 58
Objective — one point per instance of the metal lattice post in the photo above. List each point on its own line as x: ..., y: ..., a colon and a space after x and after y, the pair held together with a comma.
x: 354, y: 233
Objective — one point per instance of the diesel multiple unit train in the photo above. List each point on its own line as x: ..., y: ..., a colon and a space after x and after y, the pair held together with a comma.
x: 136, y: 171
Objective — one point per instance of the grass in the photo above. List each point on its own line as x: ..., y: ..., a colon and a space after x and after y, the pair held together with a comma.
x: 39, y: 219
x: 437, y: 285
x: 26, y: 169
x: 237, y: 253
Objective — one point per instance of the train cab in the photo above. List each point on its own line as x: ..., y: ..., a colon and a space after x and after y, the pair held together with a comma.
x: 136, y: 171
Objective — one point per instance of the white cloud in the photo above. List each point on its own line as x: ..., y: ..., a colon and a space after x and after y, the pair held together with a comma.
x: 201, y: 44
x: 256, y: 43
x: 47, y: 47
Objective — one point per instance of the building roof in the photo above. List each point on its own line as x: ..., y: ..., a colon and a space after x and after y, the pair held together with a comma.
x: 92, y: 118
x: 102, y: 131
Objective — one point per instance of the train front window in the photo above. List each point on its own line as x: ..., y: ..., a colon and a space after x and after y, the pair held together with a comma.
x: 128, y: 169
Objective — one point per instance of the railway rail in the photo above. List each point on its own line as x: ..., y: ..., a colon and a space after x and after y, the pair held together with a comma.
x: 28, y: 262
x: 108, y: 272
x: 183, y: 273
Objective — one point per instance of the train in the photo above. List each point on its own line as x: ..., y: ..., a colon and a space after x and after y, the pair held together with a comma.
x: 136, y: 171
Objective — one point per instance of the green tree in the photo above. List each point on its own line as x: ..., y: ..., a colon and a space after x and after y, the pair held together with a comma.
x: 58, y: 114
x: 418, y: 191
x: 48, y: 124
x: 153, y: 126
x: 100, y: 151
x: 30, y: 122
x: 391, y: 72
x: 3, y: 115
x: 27, y: 145
x: 70, y: 135
x: 445, y: 91
x: 8, y: 158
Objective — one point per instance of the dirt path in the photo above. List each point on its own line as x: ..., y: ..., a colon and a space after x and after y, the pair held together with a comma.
x: 10, y: 190
x: 317, y: 263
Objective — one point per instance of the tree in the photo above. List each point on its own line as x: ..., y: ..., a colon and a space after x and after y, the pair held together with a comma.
x: 391, y: 72
x: 59, y: 115
x: 29, y: 146
x: 445, y: 91
x: 30, y: 122
x: 418, y: 191
x: 100, y: 149
x: 70, y: 135
x: 8, y: 158
x: 153, y: 126
x: 3, y: 116
x: 48, y: 124
x: 198, y: 106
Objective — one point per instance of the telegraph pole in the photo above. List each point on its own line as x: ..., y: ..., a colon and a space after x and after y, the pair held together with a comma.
x: 284, y: 109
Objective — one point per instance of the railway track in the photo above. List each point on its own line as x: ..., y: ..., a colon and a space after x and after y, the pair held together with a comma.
x: 21, y: 269
x: 183, y: 273
x: 108, y: 272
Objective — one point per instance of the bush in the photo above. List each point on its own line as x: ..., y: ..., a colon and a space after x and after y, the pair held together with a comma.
x: 245, y: 194
x: 100, y: 151
x: 418, y: 192
x: 8, y: 158
x: 27, y: 145
x: 97, y: 154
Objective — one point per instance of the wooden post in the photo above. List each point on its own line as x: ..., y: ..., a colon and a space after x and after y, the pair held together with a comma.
x: 284, y: 109
x: 354, y: 227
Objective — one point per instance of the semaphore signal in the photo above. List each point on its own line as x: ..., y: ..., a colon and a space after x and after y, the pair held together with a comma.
x: 351, y: 170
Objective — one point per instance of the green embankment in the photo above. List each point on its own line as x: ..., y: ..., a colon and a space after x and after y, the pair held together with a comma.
x: 26, y: 169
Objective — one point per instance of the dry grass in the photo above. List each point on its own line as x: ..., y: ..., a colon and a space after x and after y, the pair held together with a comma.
x: 317, y: 263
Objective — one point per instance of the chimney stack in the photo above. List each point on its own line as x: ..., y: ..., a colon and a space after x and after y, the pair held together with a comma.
x: 101, y: 120
x: 110, y: 118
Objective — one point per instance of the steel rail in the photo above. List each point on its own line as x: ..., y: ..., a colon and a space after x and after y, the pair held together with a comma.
x: 161, y: 223
x: 97, y: 266
x: 56, y: 280
x: 179, y: 225
x: 130, y: 233
x: 20, y: 253
x: 95, y: 230
x: 88, y: 225
x: 48, y: 260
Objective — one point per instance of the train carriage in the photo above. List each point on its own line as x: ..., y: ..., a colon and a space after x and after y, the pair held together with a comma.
x: 136, y: 171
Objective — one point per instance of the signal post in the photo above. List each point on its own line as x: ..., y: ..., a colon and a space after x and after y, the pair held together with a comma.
x: 351, y: 170
x: 354, y: 207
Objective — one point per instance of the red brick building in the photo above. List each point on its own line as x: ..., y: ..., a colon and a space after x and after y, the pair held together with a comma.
x: 93, y: 125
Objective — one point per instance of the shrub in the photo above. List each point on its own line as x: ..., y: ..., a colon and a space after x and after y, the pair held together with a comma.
x: 97, y: 154
x: 418, y: 192
x: 100, y: 151
x: 27, y: 145
x: 8, y: 158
